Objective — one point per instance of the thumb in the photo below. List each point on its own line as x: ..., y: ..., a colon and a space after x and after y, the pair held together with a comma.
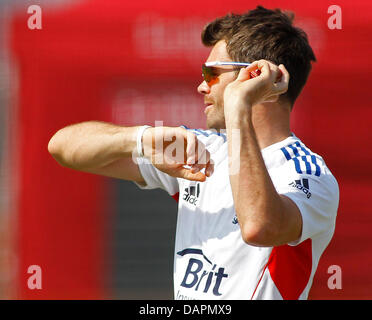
x: 249, y: 72
x: 244, y: 74
x: 185, y: 173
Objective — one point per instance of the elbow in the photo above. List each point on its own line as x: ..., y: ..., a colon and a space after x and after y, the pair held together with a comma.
x: 52, y: 146
x: 55, y: 149
x: 252, y: 235
x: 257, y: 234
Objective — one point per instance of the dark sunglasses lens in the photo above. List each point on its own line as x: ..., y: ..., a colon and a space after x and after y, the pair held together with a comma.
x: 208, y: 73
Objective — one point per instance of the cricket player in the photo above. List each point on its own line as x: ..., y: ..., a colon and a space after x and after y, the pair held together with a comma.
x: 256, y: 207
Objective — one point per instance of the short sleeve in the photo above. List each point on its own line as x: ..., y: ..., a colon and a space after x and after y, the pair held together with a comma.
x: 155, y: 178
x: 316, y: 197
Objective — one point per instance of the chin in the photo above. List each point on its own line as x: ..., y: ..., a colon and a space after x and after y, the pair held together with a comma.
x: 215, y: 125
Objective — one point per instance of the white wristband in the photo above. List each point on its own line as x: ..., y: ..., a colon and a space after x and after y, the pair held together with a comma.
x: 140, y: 132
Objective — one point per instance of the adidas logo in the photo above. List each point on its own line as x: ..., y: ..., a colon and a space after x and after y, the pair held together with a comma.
x: 191, y: 194
x: 304, y: 186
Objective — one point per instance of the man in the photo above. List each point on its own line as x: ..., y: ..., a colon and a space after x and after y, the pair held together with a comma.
x: 257, y: 208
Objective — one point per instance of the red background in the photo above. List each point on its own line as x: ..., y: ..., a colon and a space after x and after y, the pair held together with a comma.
x: 134, y: 62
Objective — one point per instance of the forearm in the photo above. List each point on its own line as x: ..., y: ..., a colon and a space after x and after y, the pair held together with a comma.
x: 92, y: 144
x: 258, y: 206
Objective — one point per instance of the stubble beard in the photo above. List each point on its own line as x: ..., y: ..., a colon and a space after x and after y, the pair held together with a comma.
x: 216, y: 118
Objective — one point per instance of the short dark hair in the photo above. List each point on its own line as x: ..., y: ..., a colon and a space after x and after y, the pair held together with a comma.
x: 265, y: 34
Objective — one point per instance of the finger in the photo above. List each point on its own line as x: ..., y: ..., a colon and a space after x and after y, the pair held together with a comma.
x: 264, y: 67
x: 203, y: 154
x: 282, y: 85
x: 209, y: 168
x: 285, y: 73
x: 273, y: 98
x: 195, y: 168
x: 191, y: 148
x: 186, y: 173
x: 249, y: 72
x: 245, y: 73
x: 276, y: 73
x: 253, y: 66
x: 202, y: 160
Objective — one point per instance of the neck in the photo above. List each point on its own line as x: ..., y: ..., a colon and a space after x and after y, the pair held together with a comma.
x: 271, y: 122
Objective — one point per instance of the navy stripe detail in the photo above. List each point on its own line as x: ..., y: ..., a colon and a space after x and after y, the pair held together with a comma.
x: 287, y: 155
x: 307, y: 164
x: 295, y: 150
x: 193, y: 251
x: 317, y: 170
x: 297, y: 165
x: 302, y: 148
x: 307, y: 159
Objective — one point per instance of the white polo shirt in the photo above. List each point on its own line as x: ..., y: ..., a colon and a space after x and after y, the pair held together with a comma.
x: 211, y: 260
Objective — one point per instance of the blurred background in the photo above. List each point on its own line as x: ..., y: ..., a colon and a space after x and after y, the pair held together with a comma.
x: 137, y: 62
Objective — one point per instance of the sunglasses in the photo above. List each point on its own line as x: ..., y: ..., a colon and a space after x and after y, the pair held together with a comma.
x: 210, y: 73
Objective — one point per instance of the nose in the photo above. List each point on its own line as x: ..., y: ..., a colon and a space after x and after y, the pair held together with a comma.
x: 203, y: 88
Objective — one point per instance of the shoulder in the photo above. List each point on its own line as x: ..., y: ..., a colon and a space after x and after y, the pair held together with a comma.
x: 297, y: 157
x: 301, y: 170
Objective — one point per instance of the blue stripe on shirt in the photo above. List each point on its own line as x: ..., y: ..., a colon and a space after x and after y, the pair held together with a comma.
x: 306, y: 159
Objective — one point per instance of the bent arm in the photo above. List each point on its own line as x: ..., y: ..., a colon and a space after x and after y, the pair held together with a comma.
x: 266, y: 218
x: 97, y: 147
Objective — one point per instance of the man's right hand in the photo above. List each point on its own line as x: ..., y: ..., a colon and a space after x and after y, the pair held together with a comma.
x: 170, y: 149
